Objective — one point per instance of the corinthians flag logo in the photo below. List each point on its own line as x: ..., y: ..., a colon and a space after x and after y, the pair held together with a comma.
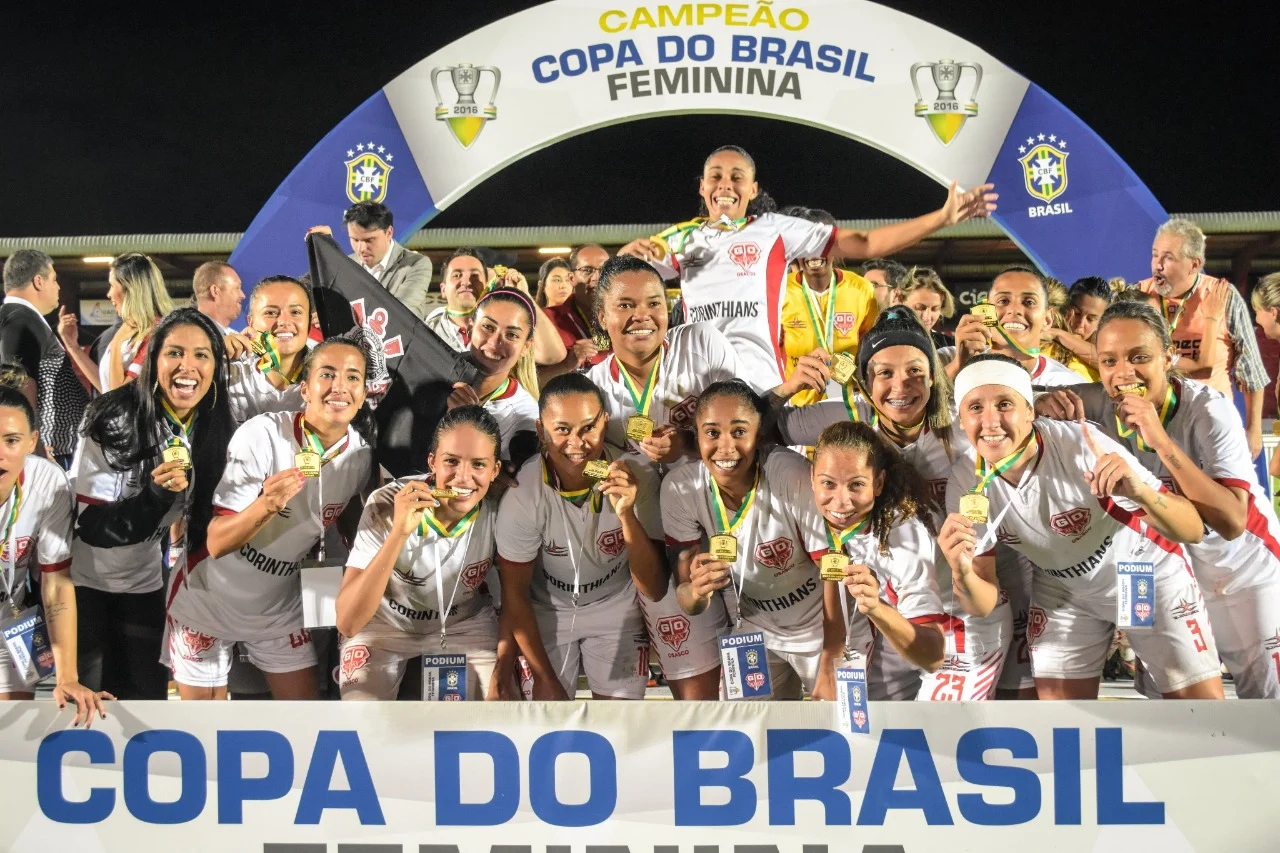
x: 466, y: 118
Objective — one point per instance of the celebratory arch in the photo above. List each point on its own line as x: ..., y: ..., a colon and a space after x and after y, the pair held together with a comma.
x: 881, y: 77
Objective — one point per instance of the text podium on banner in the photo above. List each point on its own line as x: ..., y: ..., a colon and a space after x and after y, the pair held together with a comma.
x: 666, y: 777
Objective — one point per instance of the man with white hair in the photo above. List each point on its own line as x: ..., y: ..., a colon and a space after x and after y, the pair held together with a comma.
x: 1179, y: 282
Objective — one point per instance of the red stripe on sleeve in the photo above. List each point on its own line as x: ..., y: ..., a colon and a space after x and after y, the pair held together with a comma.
x: 50, y: 568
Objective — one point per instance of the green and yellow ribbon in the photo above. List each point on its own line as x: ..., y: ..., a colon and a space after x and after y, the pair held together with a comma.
x: 837, y: 539
x: 1027, y: 352
x: 846, y: 394
x: 986, y: 475
x: 1167, y: 410
x: 430, y: 522
x: 184, y: 426
x: 825, y: 330
x: 577, y: 497
x: 1164, y: 306
x: 271, y: 358
x: 15, y: 498
x: 497, y: 392
x: 724, y: 524
x: 313, y: 442
x: 642, y: 399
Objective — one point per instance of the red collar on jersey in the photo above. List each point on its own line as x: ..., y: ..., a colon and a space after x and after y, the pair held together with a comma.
x: 512, y: 387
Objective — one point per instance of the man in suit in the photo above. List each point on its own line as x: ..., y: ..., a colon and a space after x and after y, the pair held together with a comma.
x: 405, y: 274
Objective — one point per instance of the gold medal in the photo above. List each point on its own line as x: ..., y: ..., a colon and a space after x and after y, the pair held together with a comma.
x: 842, y: 368
x: 975, y: 507
x: 724, y: 547
x: 443, y: 494
x: 988, y: 313
x: 601, y: 340
x: 499, y: 272
x: 639, y: 427
x: 833, y: 565
x: 308, y: 462
x: 1138, y: 390
x: 661, y: 251
x: 596, y: 469
x: 176, y: 451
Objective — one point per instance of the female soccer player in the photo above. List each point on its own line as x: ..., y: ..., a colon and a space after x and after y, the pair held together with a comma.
x: 651, y: 383
x: 414, y: 578
x: 37, y: 514
x: 1077, y: 505
x: 580, y: 527
x: 129, y: 493
x: 761, y: 497
x: 732, y: 260
x: 877, y: 518
x: 288, y: 478
x: 137, y: 292
x: 1191, y: 437
x: 502, y: 347
x: 265, y: 363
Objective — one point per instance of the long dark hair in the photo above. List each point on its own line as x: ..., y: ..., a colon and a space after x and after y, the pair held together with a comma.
x: 129, y: 425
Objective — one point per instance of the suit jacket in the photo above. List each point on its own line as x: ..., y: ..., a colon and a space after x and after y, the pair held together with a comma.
x: 407, y: 278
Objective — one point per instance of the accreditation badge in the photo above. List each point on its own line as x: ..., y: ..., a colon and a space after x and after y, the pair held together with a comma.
x: 1135, y: 595
x: 852, y: 712
x: 27, y: 638
x: 308, y: 462
x: 842, y: 367
x: 176, y: 451
x: 744, y: 666
x: 832, y: 565
x: 975, y: 507
x: 444, y: 678
x: 987, y: 312
x: 724, y: 547
x: 639, y: 427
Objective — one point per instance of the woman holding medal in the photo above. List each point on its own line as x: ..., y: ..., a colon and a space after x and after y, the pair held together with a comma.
x: 732, y: 260
x: 651, y: 383
x: 265, y: 363
x: 414, y: 579
x: 1191, y: 437
x: 882, y: 554
x: 149, y: 451
x: 1100, y: 529
x: 754, y: 508
x: 288, y: 477
x: 580, y: 534
x: 502, y: 348
x: 37, y: 514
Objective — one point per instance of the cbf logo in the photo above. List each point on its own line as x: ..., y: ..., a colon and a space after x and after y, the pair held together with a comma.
x: 946, y: 114
x: 368, y: 167
x: 466, y: 118
x: 1044, y: 171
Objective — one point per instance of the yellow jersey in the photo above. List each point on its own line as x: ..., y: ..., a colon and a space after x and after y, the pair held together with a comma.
x: 853, y: 313
x: 1089, y: 374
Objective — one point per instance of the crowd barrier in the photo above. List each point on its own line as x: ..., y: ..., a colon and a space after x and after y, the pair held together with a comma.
x: 609, y: 777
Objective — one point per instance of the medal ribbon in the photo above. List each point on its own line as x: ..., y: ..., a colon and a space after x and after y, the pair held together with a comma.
x: 825, y: 331
x: 577, y: 497
x: 1029, y: 352
x: 1164, y: 306
x: 724, y: 223
x: 313, y: 443
x: 986, y: 476
x: 497, y: 392
x: 643, y: 400
x: 429, y: 521
x: 837, y: 538
x: 11, y: 567
x: 271, y: 359
x: 184, y: 427
x: 1167, y: 411
x: 846, y: 394
x: 723, y: 523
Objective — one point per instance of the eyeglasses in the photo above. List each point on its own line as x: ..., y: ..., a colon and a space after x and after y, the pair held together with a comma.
x: 587, y: 272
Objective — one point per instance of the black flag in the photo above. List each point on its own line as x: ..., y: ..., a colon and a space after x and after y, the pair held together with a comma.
x: 411, y: 368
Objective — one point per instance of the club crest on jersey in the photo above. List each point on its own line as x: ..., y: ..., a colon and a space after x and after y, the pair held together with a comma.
x: 1036, y: 622
x: 195, y: 643
x: 745, y: 255
x: 474, y: 574
x: 611, y: 542
x: 673, y: 630
x: 22, y: 545
x: 370, y: 334
x: 845, y: 322
x: 330, y: 514
x: 354, y: 659
x: 776, y: 554
x: 1073, y: 522
x: 368, y: 167
x: 680, y: 415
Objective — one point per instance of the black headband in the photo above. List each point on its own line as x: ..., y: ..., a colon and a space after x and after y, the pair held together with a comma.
x: 877, y: 340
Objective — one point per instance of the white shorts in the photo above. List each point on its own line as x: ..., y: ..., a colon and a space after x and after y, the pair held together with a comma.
x: 1069, y: 634
x: 372, y: 667
x: 976, y: 654
x: 1246, y: 626
x: 199, y: 660
x: 686, y: 645
x: 606, y: 640
x: 1015, y: 574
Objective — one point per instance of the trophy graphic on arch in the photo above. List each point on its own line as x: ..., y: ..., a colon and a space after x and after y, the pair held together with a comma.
x: 465, y: 118
x: 946, y: 113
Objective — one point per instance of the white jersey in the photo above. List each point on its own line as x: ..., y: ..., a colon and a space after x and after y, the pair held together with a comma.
x: 438, y: 321
x: 126, y: 568
x: 427, y: 565
x: 255, y: 593
x: 735, y: 280
x: 41, y: 534
x: 515, y: 410
x: 1059, y: 525
x: 694, y: 356
x: 1052, y: 374
x: 906, y: 575
x: 781, y: 588
x: 573, y: 547
x: 249, y: 394
x: 1207, y: 426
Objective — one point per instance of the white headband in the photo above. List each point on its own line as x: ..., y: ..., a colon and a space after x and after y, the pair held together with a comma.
x: 994, y: 372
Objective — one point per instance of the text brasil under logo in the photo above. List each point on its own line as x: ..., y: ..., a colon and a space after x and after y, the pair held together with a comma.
x: 1044, y: 171
x: 465, y: 118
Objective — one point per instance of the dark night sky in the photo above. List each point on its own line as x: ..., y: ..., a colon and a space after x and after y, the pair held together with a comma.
x: 168, y: 121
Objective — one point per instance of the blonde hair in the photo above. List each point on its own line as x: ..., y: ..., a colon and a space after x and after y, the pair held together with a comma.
x: 526, y: 369
x: 1266, y: 293
x: 146, y: 300
x: 926, y: 278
